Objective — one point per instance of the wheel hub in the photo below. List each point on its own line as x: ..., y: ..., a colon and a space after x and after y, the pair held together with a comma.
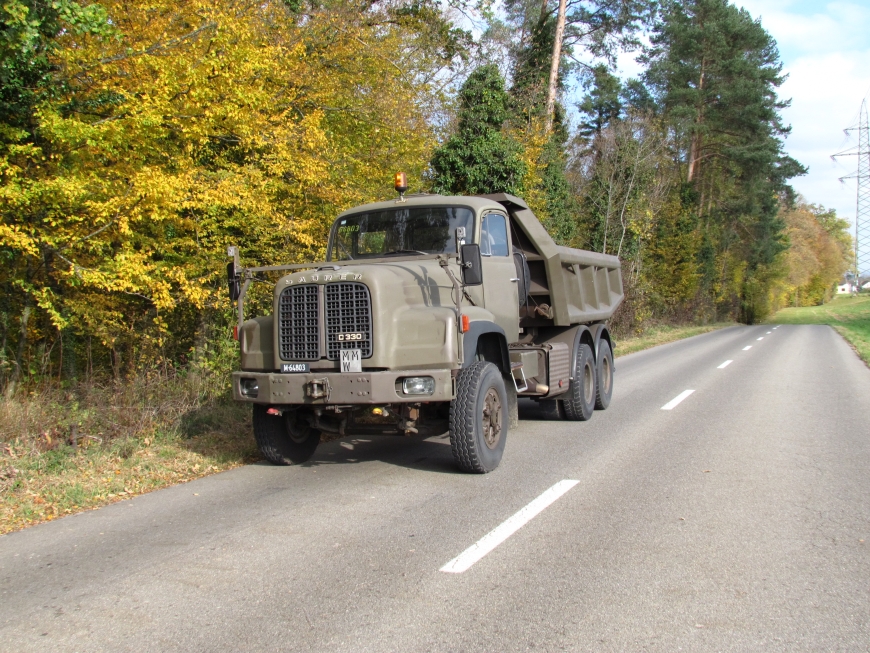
x: 296, y: 431
x: 492, y: 418
x: 588, y: 383
x: 607, y: 375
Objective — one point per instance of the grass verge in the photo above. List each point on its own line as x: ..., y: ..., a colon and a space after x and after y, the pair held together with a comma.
x: 661, y: 335
x: 850, y: 316
x: 63, y: 452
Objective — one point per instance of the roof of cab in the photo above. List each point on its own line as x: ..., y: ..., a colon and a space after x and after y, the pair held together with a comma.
x: 476, y: 203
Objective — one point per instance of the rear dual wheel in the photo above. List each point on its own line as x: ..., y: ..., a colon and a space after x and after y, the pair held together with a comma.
x: 579, y: 401
x: 604, y: 369
x: 591, y: 389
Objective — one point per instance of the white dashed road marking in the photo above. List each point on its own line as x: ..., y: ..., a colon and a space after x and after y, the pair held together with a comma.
x: 747, y: 347
x: 724, y: 365
x: 676, y: 400
x: 500, y: 533
x: 761, y: 338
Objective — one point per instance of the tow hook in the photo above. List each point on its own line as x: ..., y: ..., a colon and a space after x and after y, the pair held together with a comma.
x: 318, y: 388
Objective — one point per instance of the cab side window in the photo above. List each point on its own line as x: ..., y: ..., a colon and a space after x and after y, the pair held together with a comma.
x: 493, y: 235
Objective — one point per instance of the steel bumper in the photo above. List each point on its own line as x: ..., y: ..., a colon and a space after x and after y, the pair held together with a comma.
x: 340, y: 388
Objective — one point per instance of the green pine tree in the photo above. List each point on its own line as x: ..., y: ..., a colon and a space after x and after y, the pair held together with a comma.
x: 716, y: 71
x: 479, y: 158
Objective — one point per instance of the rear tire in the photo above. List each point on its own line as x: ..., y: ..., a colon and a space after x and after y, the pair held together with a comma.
x: 604, y: 374
x: 284, y: 439
x: 579, y: 401
x: 479, y: 418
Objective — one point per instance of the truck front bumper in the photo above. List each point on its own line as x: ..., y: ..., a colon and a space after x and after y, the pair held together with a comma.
x: 331, y: 388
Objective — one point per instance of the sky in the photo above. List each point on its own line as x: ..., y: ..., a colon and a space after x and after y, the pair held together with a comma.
x: 825, y: 50
x: 825, y: 47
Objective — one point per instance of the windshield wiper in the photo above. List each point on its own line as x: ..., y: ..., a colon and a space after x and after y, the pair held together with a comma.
x: 343, y: 248
x: 405, y: 251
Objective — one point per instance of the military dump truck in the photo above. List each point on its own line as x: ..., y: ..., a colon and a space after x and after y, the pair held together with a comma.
x: 430, y: 315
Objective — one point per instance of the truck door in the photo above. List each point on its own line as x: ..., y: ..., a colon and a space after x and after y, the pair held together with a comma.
x: 499, y: 274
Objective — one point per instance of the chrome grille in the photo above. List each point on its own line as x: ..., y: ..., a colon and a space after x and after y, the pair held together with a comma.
x: 298, y: 326
x: 348, y: 311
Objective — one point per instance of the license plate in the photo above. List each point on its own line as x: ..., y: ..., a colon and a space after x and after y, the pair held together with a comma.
x: 351, y: 360
x: 294, y: 368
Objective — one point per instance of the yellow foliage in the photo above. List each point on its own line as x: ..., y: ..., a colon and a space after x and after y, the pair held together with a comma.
x: 819, y: 252
x: 199, y: 125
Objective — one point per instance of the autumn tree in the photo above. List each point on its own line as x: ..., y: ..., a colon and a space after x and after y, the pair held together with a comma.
x: 192, y: 126
x: 819, y: 253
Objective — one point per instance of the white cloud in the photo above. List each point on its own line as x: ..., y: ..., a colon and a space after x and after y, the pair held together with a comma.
x: 835, y: 26
x: 826, y: 93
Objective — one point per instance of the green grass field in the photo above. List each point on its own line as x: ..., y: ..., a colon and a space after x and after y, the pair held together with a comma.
x: 850, y: 316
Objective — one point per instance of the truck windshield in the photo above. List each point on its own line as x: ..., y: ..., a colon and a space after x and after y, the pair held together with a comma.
x: 399, y: 231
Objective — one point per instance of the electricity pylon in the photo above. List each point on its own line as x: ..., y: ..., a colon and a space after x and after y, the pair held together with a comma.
x: 862, y: 175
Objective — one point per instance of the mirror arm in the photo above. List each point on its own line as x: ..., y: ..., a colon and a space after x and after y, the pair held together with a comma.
x: 458, y: 292
x: 240, y: 303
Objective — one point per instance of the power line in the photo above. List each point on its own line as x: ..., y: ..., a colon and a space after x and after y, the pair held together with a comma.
x: 862, y: 202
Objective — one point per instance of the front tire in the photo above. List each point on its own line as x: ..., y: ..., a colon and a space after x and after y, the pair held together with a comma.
x: 579, y: 401
x: 284, y: 439
x: 479, y: 418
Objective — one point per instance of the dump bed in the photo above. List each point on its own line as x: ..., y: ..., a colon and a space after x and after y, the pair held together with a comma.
x: 579, y: 286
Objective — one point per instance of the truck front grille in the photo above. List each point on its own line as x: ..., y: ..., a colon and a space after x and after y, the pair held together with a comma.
x: 348, y: 310
x: 348, y: 319
x: 299, y: 323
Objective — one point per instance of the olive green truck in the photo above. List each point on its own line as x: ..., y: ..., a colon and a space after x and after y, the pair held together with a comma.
x: 430, y: 315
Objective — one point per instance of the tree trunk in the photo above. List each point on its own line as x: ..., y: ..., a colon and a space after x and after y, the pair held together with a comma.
x: 695, y: 148
x: 554, y: 64
x: 22, y: 345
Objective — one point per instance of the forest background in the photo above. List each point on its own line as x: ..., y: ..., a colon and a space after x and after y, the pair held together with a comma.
x: 139, y: 140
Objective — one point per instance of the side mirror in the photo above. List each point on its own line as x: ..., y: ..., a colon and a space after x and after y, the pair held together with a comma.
x: 233, y: 279
x: 472, y: 270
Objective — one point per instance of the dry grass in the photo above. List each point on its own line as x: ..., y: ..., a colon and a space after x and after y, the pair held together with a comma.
x: 661, y: 335
x: 64, y: 452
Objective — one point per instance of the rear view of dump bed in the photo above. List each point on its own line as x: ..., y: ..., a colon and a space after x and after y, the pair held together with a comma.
x: 576, y: 286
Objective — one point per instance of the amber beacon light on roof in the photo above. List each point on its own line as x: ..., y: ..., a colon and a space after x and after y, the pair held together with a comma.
x: 401, y: 184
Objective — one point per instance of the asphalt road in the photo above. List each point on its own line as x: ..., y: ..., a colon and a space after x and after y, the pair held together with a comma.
x: 737, y: 520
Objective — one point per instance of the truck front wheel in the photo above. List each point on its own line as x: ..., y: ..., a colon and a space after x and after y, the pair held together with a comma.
x: 284, y: 439
x: 579, y: 401
x: 479, y: 418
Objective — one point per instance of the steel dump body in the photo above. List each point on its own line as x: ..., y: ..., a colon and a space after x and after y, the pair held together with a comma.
x: 581, y: 286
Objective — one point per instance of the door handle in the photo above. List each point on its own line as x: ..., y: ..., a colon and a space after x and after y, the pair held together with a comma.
x: 516, y: 279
